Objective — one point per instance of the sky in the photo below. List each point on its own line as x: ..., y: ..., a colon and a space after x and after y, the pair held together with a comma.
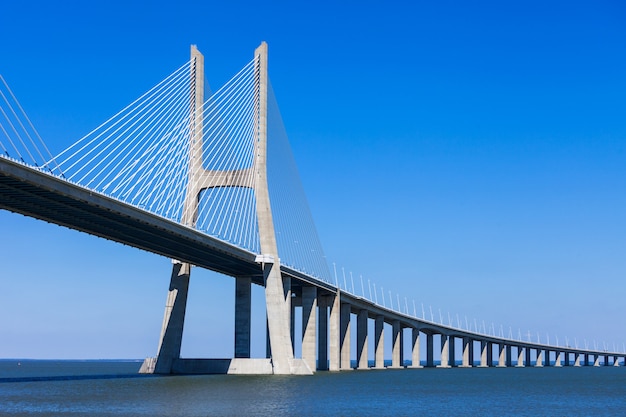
x: 470, y: 157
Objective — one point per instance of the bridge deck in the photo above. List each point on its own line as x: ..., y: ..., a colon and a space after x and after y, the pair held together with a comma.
x: 30, y: 192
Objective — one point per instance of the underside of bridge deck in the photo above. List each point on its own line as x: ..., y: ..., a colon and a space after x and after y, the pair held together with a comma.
x: 32, y: 193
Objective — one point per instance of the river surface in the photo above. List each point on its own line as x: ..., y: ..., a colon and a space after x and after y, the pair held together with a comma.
x: 112, y: 388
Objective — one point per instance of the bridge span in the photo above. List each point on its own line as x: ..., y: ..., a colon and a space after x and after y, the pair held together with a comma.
x: 330, y: 316
x: 326, y: 310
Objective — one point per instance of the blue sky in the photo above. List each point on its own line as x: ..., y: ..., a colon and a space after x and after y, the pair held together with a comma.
x: 470, y: 157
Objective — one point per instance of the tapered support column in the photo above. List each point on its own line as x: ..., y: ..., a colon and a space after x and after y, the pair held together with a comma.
x: 520, y: 357
x: 415, y: 348
x: 596, y: 361
x: 445, y: 352
x: 278, y: 319
x: 345, y: 337
x: 334, y: 343
x: 243, y: 309
x: 173, y: 319
x: 577, y: 359
x: 322, y: 335
x: 539, y: 361
x: 396, y: 345
x: 502, y: 355
x: 467, y: 342
x: 430, y: 357
x: 309, y: 325
x: 558, y: 359
x: 361, y: 340
x: 483, y: 353
x: 379, y: 342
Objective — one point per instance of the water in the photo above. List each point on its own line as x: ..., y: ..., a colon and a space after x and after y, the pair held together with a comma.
x: 106, y: 388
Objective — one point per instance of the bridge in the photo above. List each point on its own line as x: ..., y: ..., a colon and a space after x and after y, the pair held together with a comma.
x: 210, y: 183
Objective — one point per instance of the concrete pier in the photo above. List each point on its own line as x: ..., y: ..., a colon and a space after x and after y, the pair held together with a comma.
x: 243, y: 316
x: 520, y: 357
x: 362, y: 340
x: 445, y: 352
x: 334, y: 343
x: 344, y: 337
x: 546, y: 360
x: 430, y: 359
x: 396, y: 353
x: 322, y: 337
x: 467, y: 356
x: 502, y: 355
x: 309, y: 325
x: 415, y: 348
x: 452, y: 351
x: 379, y: 342
x: 483, y: 354
x: 558, y: 361
x: 173, y: 320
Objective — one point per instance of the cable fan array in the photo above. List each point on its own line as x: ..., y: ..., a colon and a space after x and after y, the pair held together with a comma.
x: 296, y: 235
x: 19, y: 139
x: 139, y: 155
x: 143, y: 155
x: 227, y: 204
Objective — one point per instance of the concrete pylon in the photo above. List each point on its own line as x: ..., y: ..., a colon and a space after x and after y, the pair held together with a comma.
x: 277, y: 293
x: 174, y: 317
x: 277, y: 290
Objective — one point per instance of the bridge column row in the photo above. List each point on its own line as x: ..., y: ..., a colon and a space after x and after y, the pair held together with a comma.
x: 329, y: 333
x: 332, y: 332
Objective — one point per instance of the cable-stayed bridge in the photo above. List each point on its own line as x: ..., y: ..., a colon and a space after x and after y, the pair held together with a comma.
x: 209, y: 180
